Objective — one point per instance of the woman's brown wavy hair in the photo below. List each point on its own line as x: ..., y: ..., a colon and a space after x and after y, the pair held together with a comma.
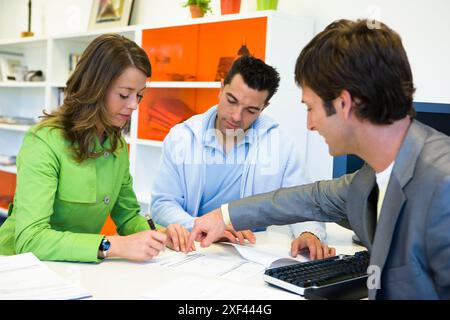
x: 83, y: 110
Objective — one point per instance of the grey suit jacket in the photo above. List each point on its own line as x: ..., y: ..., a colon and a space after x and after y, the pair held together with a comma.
x: 411, y: 244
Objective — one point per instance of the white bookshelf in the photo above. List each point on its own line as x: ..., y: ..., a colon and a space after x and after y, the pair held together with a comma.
x: 14, y: 127
x: 16, y: 84
x: 22, y: 42
x: 56, y: 85
x: 285, y: 36
x: 9, y: 169
x: 149, y: 143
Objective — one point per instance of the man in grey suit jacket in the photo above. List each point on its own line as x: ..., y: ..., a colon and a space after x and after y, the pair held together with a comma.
x: 357, y: 85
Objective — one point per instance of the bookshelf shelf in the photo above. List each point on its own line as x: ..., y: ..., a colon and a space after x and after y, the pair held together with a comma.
x: 149, y: 143
x: 24, y: 42
x: 58, y: 85
x: 17, y: 84
x: 184, y: 84
x: 128, y: 30
x: 9, y: 169
x: 14, y: 127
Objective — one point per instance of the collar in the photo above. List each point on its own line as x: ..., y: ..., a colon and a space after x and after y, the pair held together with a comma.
x: 410, y: 149
x: 210, y: 137
x: 106, y: 146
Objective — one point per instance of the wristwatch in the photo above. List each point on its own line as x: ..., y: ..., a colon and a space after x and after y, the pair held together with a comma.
x: 104, y: 247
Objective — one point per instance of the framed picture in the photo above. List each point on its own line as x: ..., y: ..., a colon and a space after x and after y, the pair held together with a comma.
x: 110, y: 13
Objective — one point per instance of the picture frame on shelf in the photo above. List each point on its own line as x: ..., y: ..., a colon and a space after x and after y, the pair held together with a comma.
x: 9, y: 64
x: 74, y: 58
x: 110, y: 13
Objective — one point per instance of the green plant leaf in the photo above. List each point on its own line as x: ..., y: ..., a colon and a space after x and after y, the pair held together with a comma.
x: 204, y: 5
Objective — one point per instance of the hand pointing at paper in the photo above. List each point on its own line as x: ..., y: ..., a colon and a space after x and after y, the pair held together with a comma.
x: 210, y: 227
x: 207, y: 228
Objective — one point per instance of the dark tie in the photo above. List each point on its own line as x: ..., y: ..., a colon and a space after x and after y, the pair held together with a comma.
x: 372, y: 212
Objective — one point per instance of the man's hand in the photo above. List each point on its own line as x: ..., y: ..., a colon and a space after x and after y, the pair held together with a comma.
x: 237, y: 236
x: 177, y: 237
x: 317, y: 249
x: 207, y: 228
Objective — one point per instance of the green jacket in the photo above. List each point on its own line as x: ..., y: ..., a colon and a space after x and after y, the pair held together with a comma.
x: 60, y: 206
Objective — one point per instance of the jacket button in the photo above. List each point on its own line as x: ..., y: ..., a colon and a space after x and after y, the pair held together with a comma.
x: 106, y: 154
x: 106, y: 200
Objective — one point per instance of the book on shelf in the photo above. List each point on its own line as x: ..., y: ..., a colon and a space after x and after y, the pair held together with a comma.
x: 9, y: 64
x: 154, y: 124
x: 156, y: 116
x: 74, y: 58
x: 7, y: 160
x: 172, y: 109
x: 17, y: 120
x: 61, y: 96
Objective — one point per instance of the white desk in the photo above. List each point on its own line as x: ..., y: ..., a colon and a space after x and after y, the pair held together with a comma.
x: 119, y: 279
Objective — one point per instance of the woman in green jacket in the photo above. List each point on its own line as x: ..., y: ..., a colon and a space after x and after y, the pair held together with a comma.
x: 73, y: 167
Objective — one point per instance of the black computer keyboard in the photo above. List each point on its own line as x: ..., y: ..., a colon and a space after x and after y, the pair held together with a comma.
x: 339, y: 277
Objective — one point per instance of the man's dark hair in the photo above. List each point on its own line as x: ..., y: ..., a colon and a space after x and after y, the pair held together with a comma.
x: 368, y: 60
x: 256, y: 74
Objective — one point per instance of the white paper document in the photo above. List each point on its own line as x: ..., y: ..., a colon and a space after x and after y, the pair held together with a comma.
x: 25, y: 277
x: 209, y: 264
x: 267, y: 259
x: 247, y: 262
x: 197, y: 288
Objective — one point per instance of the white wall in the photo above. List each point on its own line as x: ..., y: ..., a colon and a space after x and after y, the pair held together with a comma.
x: 423, y: 25
x: 48, y: 17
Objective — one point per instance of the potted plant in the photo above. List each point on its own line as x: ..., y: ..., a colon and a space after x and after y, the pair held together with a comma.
x: 198, y: 7
x: 267, y: 4
x: 230, y: 6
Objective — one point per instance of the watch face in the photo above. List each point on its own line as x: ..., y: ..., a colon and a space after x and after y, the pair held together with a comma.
x: 105, y: 245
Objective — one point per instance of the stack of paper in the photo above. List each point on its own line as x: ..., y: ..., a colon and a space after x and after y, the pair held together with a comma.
x: 25, y: 277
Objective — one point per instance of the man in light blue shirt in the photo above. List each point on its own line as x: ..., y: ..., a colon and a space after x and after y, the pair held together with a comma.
x: 230, y: 152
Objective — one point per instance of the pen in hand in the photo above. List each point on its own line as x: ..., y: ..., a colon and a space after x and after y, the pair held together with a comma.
x: 152, y: 226
x: 150, y: 222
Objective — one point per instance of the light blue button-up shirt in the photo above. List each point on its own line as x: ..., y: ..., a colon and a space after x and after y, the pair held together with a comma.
x: 223, y: 172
